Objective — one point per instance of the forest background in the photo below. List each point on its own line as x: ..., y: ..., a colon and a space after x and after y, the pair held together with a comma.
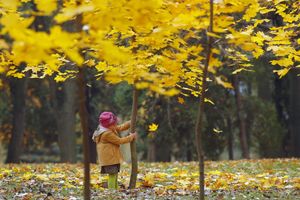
x: 270, y: 107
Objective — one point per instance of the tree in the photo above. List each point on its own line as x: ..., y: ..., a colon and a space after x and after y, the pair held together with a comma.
x: 241, y: 118
x: 18, y: 96
x: 134, y: 167
x: 198, y: 127
x: 65, y: 120
x: 145, y: 44
x: 294, y: 112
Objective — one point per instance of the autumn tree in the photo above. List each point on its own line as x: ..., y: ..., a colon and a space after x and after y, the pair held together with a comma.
x: 146, y: 44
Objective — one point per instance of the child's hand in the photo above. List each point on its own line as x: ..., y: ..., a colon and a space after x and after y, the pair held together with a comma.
x: 134, y: 135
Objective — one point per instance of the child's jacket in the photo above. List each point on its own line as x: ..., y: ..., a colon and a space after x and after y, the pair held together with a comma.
x: 108, y: 144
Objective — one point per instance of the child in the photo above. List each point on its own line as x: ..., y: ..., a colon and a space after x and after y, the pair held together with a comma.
x: 108, y: 146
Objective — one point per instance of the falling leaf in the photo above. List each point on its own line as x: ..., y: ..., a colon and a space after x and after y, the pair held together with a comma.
x: 216, y: 130
x: 153, y: 127
x: 180, y: 100
x: 209, y: 101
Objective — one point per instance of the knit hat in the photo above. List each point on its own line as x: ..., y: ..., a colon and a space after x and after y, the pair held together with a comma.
x: 107, y: 119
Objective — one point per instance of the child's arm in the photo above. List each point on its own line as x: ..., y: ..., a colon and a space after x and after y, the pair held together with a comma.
x: 113, y: 138
x: 124, y: 126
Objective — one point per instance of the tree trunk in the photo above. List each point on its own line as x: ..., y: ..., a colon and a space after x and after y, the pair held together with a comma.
x: 66, y: 122
x: 281, y: 100
x: 264, y: 78
x: 151, y: 149
x: 241, y: 120
x: 134, y: 164
x: 85, y: 131
x: 295, y: 113
x: 92, y: 125
x: 18, y: 96
x: 229, y: 139
x: 199, y: 120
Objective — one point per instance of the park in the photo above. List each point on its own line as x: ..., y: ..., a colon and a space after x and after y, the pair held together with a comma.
x: 149, y: 99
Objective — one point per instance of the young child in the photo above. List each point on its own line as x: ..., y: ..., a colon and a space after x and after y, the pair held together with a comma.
x: 108, y: 146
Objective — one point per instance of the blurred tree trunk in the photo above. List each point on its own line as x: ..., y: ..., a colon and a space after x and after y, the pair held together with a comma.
x: 229, y: 139
x: 281, y: 100
x: 295, y: 112
x: 264, y: 79
x: 241, y: 120
x: 151, y: 149
x: 93, y: 122
x: 18, y: 96
x: 83, y: 113
x: 63, y: 98
x: 227, y: 118
x: 134, y: 162
x: 66, y: 122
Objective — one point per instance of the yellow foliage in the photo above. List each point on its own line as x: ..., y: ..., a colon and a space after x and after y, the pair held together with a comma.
x: 148, y: 43
x: 9, y: 4
x: 46, y: 6
x: 251, y: 11
x: 284, y: 62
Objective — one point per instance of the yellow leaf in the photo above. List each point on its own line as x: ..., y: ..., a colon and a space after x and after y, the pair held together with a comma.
x: 284, y: 62
x: 46, y: 6
x: 9, y: 4
x: 142, y: 85
x: 223, y: 83
x: 282, y: 72
x: 216, y: 130
x: 148, y: 180
x: 90, y: 63
x: 180, y: 100
x: 213, y: 35
x: 153, y: 127
x: 251, y: 12
x: 209, y: 101
x: 241, y: 69
x: 258, y: 52
x: 69, y: 13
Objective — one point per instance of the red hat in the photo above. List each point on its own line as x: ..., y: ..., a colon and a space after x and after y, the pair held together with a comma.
x: 107, y: 119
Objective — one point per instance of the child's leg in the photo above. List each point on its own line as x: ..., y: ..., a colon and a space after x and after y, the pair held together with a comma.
x: 112, y: 180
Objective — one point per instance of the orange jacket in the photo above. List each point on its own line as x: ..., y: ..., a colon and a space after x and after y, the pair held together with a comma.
x: 108, y: 145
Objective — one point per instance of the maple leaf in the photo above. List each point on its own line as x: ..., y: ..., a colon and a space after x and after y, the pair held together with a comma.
x: 153, y: 127
x: 180, y: 100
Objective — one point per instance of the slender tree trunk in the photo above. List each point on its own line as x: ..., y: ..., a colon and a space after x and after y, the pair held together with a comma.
x: 92, y: 125
x: 18, y: 96
x: 66, y: 122
x: 199, y: 121
x: 85, y: 131
x: 174, y: 148
x: 134, y: 164
x: 295, y: 112
x: 229, y: 139
x: 241, y: 120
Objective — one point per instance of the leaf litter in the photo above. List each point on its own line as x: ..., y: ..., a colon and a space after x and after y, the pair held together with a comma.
x: 240, y: 179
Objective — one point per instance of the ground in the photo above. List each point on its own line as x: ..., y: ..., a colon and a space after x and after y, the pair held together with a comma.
x: 242, y: 179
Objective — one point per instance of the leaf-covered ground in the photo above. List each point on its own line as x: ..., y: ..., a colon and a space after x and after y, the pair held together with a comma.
x: 243, y: 179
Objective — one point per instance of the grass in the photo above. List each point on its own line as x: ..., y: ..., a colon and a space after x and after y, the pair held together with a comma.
x: 242, y: 179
